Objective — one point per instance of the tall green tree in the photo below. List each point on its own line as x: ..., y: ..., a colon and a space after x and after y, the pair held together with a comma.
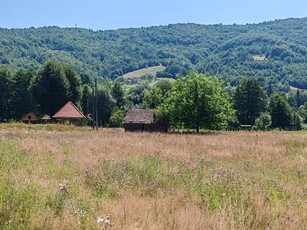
x: 51, y: 88
x: 280, y: 110
x: 153, y: 98
x: 75, y: 85
x: 22, y: 100
x: 303, y: 112
x: 249, y: 101
x: 137, y: 93
x: 156, y: 95
x: 87, y: 100
x: 5, y: 90
x: 106, y: 103
x: 118, y: 95
x: 196, y: 101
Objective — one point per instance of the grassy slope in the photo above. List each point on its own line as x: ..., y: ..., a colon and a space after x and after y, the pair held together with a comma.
x: 229, y: 180
x: 141, y: 72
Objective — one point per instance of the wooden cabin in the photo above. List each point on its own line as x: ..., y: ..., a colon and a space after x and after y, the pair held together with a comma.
x: 142, y: 120
x: 30, y: 118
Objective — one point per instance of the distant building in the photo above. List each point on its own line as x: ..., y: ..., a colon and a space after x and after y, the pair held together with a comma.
x: 246, y: 127
x: 142, y: 120
x: 69, y: 113
x: 46, y: 118
x: 30, y: 118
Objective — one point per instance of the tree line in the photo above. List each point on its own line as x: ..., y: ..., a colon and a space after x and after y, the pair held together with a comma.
x: 199, y: 101
x: 195, y: 101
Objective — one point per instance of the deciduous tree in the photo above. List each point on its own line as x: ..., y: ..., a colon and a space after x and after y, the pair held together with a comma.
x: 118, y: 95
x: 196, y: 101
x: 75, y: 85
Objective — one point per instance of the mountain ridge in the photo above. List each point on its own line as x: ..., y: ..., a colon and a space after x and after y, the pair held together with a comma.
x: 225, y: 50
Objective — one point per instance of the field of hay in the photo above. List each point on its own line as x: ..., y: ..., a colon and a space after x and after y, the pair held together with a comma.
x: 223, y: 180
x: 141, y: 72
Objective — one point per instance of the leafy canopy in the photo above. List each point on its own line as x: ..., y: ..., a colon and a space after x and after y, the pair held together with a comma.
x: 54, y: 86
x: 249, y: 101
x: 196, y: 101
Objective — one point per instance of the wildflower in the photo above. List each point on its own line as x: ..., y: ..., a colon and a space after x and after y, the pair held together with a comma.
x: 63, y: 186
x: 99, y: 219
x: 107, y: 221
x: 267, y: 228
x: 224, y: 194
x: 80, y: 212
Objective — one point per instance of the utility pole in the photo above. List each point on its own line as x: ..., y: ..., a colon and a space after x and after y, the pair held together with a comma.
x: 93, y: 107
x: 96, y: 104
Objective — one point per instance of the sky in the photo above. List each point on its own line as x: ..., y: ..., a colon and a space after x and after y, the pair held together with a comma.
x: 114, y: 14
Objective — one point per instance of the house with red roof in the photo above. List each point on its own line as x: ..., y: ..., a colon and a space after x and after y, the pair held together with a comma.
x: 69, y: 112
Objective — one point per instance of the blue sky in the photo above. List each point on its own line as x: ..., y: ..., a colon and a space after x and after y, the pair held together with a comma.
x: 114, y: 14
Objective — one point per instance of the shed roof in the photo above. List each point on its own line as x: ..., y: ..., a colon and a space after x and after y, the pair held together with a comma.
x: 139, y: 116
x: 69, y: 111
x: 29, y: 117
x: 46, y: 117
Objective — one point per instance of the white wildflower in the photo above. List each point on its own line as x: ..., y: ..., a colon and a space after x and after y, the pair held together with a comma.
x: 80, y: 212
x: 99, y: 219
x: 107, y: 221
x: 63, y: 186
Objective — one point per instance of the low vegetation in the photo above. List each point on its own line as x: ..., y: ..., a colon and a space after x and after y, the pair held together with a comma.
x: 55, y: 178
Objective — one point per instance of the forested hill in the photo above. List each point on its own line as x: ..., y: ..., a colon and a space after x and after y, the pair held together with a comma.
x: 273, y: 51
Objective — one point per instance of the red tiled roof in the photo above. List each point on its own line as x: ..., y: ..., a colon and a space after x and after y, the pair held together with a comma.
x: 69, y: 111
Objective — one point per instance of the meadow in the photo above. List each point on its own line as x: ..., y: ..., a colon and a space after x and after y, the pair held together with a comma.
x: 61, y: 177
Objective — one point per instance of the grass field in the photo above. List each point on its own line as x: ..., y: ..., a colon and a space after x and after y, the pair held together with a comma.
x: 223, y: 180
x: 141, y: 72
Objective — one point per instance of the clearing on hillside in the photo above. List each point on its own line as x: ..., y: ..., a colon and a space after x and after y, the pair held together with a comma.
x: 141, y: 72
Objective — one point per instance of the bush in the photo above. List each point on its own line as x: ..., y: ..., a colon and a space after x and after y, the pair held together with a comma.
x: 117, y: 117
x: 263, y: 122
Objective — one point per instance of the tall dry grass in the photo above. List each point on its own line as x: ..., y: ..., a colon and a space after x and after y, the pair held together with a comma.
x: 223, y: 180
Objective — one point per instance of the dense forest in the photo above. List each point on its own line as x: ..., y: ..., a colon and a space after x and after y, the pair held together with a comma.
x: 273, y: 52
